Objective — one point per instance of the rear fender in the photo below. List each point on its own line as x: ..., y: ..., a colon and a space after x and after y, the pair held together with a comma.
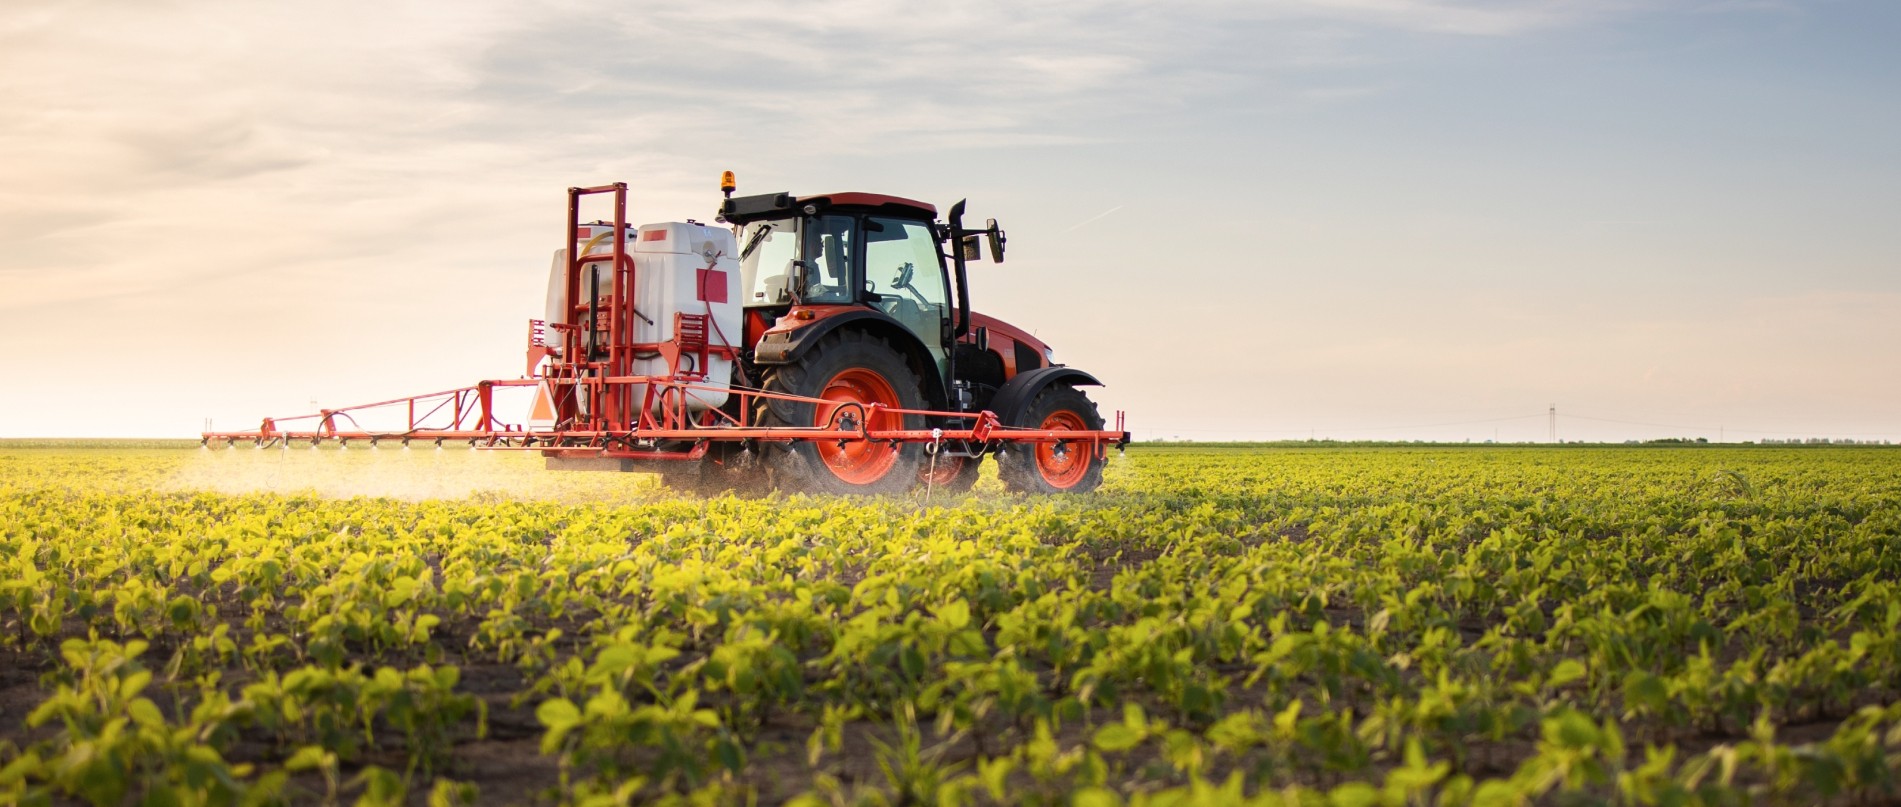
x: 1012, y: 402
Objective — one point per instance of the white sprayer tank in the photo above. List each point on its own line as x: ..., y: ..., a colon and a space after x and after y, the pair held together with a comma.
x: 679, y: 267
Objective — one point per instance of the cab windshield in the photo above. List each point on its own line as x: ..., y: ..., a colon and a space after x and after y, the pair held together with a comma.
x: 766, y: 252
x: 773, y: 270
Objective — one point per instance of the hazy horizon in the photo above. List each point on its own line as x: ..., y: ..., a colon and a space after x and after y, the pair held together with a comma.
x: 1357, y: 219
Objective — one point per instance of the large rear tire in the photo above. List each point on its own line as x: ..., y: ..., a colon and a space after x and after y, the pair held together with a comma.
x: 1074, y: 467
x: 849, y: 369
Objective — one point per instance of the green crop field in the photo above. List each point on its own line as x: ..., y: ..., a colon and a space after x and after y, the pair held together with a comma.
x: 1234, y: 625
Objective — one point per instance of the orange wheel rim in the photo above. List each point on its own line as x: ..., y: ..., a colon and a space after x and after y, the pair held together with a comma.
x: 858, y: 462
x: 1063, y: 465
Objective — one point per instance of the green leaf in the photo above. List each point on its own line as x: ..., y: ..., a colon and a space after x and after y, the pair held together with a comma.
x: 1134, y: 717
x: 1288, y: 719
x: 1567, y: 671
x: 400, y: 591
x: 450, y: 793
x: 1117, y: 737
x: 183, y: 611
x: 1497, y: 793
x: 558, y: 713
x: 955, y: 614
x: 1647, y: 690
x: 1095, y: 797
x: 146, y: 713
x: 995, y: 774
x: 307, y: 758
x: 730, y: 755
x: 382, y: 788
x: 1572, y: 730
x: 163, y: 797
x: 19, y: 769
x: 132, y: 684
x: 1354, y: 794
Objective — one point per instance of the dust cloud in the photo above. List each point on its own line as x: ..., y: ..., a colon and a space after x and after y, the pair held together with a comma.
x: 414, y: 473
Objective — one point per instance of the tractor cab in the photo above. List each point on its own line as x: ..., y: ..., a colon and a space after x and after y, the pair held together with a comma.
x: 809, y: 264
x: 859, y: 302
x: 831, y: 254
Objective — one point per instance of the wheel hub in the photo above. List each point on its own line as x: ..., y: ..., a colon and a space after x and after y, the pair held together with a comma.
x: 858, y: 462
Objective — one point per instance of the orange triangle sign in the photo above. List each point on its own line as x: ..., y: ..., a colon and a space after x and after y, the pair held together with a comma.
x: 541, y: 416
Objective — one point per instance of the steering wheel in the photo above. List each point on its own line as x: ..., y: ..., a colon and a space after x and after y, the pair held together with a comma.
x: 904, y: 276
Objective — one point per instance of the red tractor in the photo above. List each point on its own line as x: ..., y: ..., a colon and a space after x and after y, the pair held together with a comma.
x: 848, y: 297
x: 814, y: 343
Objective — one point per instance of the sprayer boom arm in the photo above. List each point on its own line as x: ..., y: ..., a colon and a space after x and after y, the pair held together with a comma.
x: 468, y: 414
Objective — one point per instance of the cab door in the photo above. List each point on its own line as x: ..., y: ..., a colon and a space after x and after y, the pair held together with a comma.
x: 904, y: 279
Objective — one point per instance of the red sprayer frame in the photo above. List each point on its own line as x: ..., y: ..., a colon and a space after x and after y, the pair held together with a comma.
x: 470, y: 417
x: 629, y: 416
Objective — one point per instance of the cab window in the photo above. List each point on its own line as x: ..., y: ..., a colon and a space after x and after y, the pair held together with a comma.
x: 828, y: 257
x: 903, y: 277
x: 765, y: 262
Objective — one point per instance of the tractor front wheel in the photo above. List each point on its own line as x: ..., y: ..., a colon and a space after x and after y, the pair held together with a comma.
x: 848, y: 371
x: 1061, y: 467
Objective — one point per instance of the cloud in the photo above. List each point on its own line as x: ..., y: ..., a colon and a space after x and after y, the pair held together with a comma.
x: 1501, y: 18
x: 221, y: 91
x: 206, y: 110
x: 213, y: 149
x: 171, y: 162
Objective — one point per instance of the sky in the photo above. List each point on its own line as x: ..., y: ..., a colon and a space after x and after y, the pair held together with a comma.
x: 1280, y: 219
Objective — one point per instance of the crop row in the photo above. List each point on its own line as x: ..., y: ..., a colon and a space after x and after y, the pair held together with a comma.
x: 1484, y: 626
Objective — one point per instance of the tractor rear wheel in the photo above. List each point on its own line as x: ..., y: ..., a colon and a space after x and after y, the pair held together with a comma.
x: 849, y: 370
x: 1067, y: 467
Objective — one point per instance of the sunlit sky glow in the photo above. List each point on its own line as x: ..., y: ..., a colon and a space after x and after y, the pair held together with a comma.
x: 1358, y: 219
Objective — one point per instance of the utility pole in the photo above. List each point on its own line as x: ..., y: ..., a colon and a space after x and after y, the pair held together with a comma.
x: 1554, y: 423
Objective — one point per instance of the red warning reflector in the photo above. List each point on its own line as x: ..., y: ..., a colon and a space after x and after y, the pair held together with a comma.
x: 583, y: 232
x: 654, y: 235
x: 711, y: 284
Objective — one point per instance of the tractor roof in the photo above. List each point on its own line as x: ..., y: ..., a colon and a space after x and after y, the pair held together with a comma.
x: 742, y: 209
x: 855, y: 199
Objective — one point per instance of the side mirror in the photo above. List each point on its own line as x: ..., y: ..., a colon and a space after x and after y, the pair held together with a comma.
x: 973, y: 249
x: 996, y: 240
